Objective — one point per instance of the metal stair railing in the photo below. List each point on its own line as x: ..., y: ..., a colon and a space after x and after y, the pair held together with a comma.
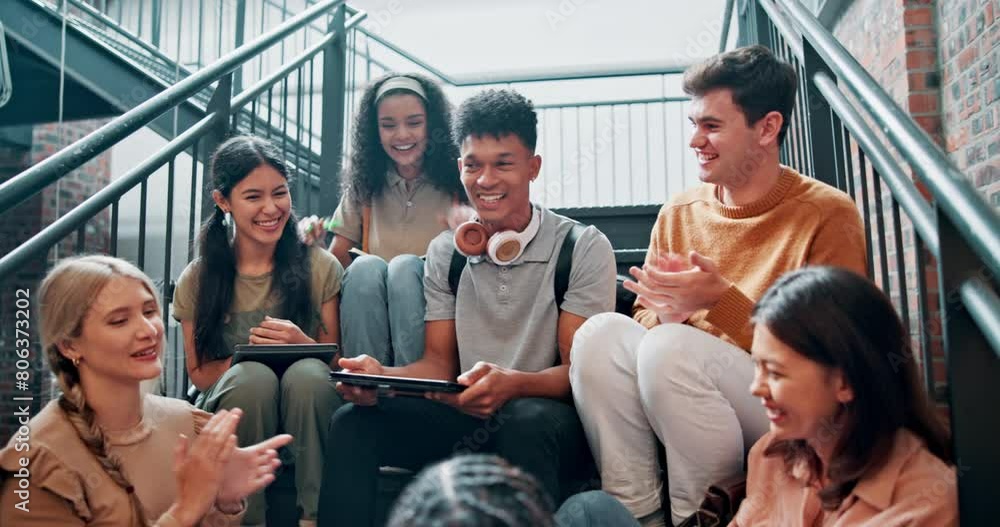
x: 37, y: 177
x: 165, y: 71
x: 641, y: 140
x: 839, y: 108
x: 223, y: 110
x: 6, y: 82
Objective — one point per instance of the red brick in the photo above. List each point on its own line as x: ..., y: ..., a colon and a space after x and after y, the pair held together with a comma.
x: 923, y: 103
x: 921, y: 59
x: 918, y: 80
x: 921, y: 37
x: 930, y: 123
x: 921, y: 16
x: 967, y: 57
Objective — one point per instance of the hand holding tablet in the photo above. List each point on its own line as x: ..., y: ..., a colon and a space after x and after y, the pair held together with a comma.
x: 363, y: 379
x: 402, y: 385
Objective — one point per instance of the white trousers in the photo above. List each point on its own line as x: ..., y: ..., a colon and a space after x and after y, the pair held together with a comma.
x: 677, y: 383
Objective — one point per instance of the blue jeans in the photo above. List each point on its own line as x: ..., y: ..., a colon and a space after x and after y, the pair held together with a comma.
x: 595, y: 507
x: 382, y: 309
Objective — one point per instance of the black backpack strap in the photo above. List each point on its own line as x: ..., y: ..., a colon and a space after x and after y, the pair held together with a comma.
x: 458, y: 261
x: 565, y: 262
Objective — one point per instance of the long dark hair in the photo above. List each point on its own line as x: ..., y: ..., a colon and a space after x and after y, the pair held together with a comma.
x: 841, y: 320
x: 365, y: 176
x: 230, y: 164
x: 473, y: 490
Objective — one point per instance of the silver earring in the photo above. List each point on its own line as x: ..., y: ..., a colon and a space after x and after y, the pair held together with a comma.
x: 230, y: 225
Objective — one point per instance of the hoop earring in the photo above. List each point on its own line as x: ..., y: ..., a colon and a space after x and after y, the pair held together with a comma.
x: 76, y: 362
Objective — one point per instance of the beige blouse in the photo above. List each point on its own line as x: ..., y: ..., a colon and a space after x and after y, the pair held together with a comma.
x: 912, y: 489
x: 404, y: 220
x: 68, y: 486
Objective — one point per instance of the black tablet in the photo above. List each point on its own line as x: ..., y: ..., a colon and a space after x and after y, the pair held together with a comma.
x: 398, y: 384
x: 279, y: 357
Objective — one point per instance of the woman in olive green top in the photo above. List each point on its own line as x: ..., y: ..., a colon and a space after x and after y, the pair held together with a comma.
x: 401, y: 182
x: 256, y: 282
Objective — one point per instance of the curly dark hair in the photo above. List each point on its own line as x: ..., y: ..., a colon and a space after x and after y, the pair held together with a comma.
x: 365, y: 179
x: 760, y: 82
x: 497, y: 113
x: 474, y: 490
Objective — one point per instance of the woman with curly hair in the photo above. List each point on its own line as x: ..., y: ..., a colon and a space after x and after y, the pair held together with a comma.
x: 402, y: 179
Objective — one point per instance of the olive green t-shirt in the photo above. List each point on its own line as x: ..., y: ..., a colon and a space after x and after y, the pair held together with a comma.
x: 253, y: 299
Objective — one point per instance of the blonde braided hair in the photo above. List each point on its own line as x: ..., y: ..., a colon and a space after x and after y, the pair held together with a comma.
x: 66, y: 296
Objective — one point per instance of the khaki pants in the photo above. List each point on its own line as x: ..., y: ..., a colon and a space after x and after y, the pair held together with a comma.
x: 673, y: 382
x: 300, y: 403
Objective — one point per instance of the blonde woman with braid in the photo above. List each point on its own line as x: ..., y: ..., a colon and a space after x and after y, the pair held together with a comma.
x: 104, y: 453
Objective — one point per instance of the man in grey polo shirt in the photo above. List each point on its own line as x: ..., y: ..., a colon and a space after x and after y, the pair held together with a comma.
x: 502, y: 331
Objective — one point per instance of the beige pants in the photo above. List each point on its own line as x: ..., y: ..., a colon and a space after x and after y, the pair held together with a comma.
x: 676, y: 383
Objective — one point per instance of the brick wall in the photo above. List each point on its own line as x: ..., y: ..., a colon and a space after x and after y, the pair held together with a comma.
x: 23, y: 222
x: 897, y: 43
x: 970, y: 58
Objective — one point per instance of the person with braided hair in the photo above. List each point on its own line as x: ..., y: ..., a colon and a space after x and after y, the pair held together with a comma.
x: 479, y: 490
x: 101, y: 453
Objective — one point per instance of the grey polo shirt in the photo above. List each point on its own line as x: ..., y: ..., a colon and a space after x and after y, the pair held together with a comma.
x: 507, y: 315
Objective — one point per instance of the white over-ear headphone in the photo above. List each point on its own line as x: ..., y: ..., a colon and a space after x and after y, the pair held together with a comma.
x: 472, y: 240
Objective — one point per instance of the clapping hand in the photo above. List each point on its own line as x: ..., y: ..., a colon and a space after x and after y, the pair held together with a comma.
x: 249, y: 470
x: 199, y: 466
x: 674, y: 287
x: 312, y: 228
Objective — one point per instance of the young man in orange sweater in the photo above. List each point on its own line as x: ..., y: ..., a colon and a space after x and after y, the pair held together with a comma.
x: 679, y: 369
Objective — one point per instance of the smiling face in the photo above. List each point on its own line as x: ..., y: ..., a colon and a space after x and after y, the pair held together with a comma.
x: 497, y: 175
x: 260, y: 204
x: 121, y: 336
x: 728, y: 149
x: 402, y: 129
x: 802, y: 397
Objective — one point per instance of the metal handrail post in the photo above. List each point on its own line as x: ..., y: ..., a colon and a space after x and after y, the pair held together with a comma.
x: 33, y: 180
x: 220, y: 106
x: 334, y: 97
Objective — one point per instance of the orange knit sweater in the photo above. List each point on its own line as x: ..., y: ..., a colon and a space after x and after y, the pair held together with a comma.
x: 800, y: 222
